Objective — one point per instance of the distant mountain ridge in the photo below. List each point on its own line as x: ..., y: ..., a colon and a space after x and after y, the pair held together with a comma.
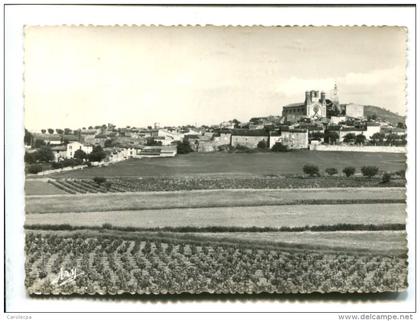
x: 383, y: 114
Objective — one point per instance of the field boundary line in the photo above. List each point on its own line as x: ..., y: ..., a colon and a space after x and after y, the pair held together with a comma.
x: 199, y: 191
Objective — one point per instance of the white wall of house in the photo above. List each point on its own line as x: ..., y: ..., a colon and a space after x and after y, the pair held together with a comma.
x: 170, y: 135
x: 372, y: 130
x: 355, y: 110
x: 59, y: 155
x: 74, y: 146
x: 293, y: 140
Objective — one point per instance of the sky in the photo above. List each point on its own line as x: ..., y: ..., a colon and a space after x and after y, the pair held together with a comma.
x: 137, y: 76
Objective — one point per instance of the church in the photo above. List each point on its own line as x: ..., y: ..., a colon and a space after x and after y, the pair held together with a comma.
x: 315, y: 106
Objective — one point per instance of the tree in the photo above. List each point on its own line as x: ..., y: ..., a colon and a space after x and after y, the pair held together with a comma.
x: 39, y: 143
x: 279, y: 147
x: 90, y: 127
x: 331, y: 171
x: 97, y: 154
x: 99, y: 180
x: 67, y: 131
x: 311, y: 170
x: 331, y: 137
x: 386, y: 178
x: 372, y: 117
x: 34, y: 169
x: 59, y: 131
x: 80, y: 154
x: 369, y: 171
x: 392, y: 139
x: 50, y: 131
x: 183, y: 147
x: 262, y: 144
x: 377, y: 138
x: 350, y: 137
x: 401, y: 125
x: 360, y: 139
x: 108, y: 143
x: 349, y: 171
x: 317, y: 136
x: 43, y: 131
x: 31, y: 158
x: 28, y: 138
x: 45, y: 154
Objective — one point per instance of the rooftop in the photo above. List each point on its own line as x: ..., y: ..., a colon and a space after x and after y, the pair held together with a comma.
x: 249, y: 132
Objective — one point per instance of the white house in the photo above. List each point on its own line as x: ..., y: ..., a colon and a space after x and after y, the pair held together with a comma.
x: 74, y: 146
x: 371, y: 129
x: 59, y: 151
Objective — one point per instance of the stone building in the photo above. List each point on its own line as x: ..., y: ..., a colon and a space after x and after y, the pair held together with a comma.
x: 292, y: 138
x: 314, y: 106
x: 248, y: 138
x: 354, y: 110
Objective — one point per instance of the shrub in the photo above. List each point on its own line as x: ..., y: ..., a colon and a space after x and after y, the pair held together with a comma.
x: 183, y: 147
x: 262, y: 144
x: 99, y: 180
x: 369, y: 171
x: 89, y: 164
x: 279, y: 147
x: 400, y: 173
x: 386, y: 178
x: 349, y: 171
x: 56, y: 165
x: 107, y: 226
x: 34, y: 169
x: 80, y: 154
x: 311, y: 170
x: 331, y: 171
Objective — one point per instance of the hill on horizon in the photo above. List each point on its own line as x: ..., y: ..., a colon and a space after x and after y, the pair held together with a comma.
x: 383, y: 114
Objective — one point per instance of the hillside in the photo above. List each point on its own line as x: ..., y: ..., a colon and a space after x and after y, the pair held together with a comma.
x: 383, y: 114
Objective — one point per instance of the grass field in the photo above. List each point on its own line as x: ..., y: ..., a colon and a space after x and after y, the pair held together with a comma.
x: 41, y: 187
x: 267, y: 216
x: 379, y: 241
x: 220, y: 163
x: 211, y: 198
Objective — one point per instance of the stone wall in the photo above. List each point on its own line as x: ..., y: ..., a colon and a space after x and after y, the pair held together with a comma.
x: 355, y: 148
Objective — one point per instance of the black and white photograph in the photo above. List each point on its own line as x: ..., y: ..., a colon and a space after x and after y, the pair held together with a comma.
x: 207, y: 161
x: 165, y: 160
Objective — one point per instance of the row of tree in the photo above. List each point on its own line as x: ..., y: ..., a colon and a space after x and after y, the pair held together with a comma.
x: 331, y: 137
x: 367, y: 171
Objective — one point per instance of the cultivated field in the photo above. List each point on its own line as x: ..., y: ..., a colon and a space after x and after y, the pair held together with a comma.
x: 152, y: 264
x: 249, y: 216
x: 41, y: 187
x: 218, y: 223
x: 220, y: 163
x: 153, y: 184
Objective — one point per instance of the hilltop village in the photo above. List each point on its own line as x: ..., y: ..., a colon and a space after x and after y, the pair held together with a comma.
x: 317, y: 123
